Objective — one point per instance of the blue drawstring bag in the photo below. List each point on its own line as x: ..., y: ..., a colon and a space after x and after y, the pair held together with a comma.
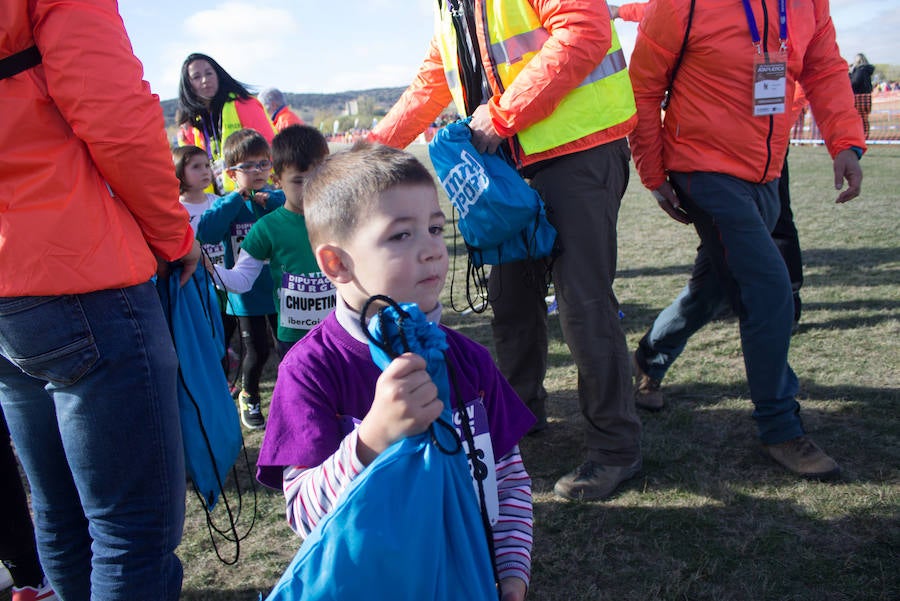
x: 501, y: 218
x: 409, y: 526
x: 209, y: 421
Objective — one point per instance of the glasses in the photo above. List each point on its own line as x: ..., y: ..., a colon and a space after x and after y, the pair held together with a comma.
x: 260, y: 166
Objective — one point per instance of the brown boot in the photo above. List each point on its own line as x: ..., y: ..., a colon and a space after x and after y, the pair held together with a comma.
x: 591, y: 481
x: 647, y: 394
x: 803, y: 457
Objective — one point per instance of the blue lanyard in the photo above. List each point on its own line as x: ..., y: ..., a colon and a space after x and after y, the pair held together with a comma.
x: 782, y: 24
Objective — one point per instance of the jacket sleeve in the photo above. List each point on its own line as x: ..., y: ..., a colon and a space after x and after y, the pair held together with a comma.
x: 215, y: 222
x: 253, y: 116
x: 824, y: 79
x: 580, y: 37
x: 418, y: 107
x: 96, y: 83
x: 633, y: 11
x: 655, y: 52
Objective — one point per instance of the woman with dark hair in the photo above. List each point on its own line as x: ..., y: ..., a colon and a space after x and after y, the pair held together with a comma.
x: 861, y: 81
x: 213, y: 105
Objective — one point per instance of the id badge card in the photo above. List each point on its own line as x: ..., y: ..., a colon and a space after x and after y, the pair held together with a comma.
x: 306, y: 299
x: 769, y: 85
x: 482, y: 461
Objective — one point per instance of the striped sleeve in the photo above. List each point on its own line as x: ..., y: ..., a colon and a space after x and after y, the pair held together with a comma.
x: 513, y: 530
x: 310, y: 493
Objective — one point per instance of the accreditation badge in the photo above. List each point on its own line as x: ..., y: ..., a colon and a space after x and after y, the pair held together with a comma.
x: 769, y: 85
x: 481, y: 464
x: 306, y: 299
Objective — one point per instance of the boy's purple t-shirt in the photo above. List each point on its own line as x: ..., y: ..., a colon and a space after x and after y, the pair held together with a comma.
x: 329, y: 377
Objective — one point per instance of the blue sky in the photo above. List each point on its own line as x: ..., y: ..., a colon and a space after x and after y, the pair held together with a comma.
x: 338, y: 45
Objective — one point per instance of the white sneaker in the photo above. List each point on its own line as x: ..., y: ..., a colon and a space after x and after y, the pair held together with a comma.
x: 6, y: 580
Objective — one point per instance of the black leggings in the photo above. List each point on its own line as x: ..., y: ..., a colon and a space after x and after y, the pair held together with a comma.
x: 17, y: 547
x: 255, y: 344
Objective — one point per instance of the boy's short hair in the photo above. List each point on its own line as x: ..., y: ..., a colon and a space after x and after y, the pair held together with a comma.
x: 298, y: 146
x: 339, y: 192
x: 243, y: 144
x: 180, y: 156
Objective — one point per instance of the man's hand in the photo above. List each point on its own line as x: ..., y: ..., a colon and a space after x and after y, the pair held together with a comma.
x: 668, y: 202
x: 484, y: 137
x: 846, y: 167
x: 405, y: 404
x: 189, y: 262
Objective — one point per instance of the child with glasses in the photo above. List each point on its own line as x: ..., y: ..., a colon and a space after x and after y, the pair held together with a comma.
x: 248, y: 162
x: 376, y: 228
x: 303, y: 295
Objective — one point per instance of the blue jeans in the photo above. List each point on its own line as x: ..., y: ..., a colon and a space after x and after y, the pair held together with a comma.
x: 737, y: 263
x: 87, y: 384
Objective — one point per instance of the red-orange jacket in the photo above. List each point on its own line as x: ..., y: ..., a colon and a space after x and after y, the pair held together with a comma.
x: 87, y: 189
x: 285, y: 117
x: 709, y: 125
x: 580, y: 38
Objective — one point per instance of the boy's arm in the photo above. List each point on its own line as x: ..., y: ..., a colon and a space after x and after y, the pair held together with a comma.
x: 215, y: 222
x: 239, y: 278
x: 513, y: 530
x: 310, y: 493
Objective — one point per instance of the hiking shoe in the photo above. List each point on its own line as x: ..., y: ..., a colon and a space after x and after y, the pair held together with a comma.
x: 251, y: 413
x: 591, y: 481
x: 803, y: 457
x: 647, y: 394
x: 27, y: 593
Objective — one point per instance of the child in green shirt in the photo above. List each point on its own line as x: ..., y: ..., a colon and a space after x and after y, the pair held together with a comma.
x: 303, y: 295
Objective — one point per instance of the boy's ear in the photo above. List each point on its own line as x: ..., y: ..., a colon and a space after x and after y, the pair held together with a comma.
x: 335, y: 263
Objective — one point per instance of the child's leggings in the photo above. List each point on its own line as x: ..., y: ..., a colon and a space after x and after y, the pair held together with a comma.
x: 256, y: 341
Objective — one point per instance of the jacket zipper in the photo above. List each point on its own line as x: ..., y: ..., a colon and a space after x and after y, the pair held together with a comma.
x: 765, y: 41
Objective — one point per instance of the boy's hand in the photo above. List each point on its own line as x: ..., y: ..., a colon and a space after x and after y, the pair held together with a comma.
x: 405, y: 403
x: 260, y: 198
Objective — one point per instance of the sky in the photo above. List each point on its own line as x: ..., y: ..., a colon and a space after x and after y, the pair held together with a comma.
x: 329, y: 46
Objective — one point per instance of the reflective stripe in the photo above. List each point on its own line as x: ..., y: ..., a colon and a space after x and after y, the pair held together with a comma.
x: 511, y: 50
x: 452, y: 79
x: 610, y: 65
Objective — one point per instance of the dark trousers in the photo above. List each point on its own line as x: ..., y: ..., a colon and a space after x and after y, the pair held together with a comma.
x: 582, y: 192
x: 787, y: 240
x: 17, y: 547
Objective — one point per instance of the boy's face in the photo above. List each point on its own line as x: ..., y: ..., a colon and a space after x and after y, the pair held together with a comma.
x: 252, y: 173
x: 291, y: 181
x: 398, y: 249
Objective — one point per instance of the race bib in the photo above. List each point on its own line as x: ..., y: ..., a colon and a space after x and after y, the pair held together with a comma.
x: 482, y: 463
x: 215, y: 253
x: 305, y: 300
x: 238, y: 233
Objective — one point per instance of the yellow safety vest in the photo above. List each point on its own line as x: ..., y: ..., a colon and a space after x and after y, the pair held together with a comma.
x: 604, y: 99
x: 230, y: 124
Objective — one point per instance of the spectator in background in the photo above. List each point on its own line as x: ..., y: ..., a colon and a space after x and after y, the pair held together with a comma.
x: 87, y: 368
x: 279, y: 112
x: 861, y: 81
x: 213, y: 106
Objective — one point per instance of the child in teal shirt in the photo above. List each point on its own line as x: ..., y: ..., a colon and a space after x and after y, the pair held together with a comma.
x: 303, y: 295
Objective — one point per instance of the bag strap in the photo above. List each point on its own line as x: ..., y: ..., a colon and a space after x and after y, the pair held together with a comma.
x: 687, y: 32
x: 20, y: 61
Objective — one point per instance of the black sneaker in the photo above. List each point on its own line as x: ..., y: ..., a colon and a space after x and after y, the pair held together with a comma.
x: 251, y: 413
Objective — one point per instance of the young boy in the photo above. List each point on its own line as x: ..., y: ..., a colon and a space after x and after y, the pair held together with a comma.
x: 303, y: 295
x: 376, y: 228
x: 249, y: 162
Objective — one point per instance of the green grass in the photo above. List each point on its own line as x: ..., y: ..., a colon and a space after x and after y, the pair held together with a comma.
x: 709, y: 517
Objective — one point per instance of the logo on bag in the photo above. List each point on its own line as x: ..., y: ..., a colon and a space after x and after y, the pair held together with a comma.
x: 465, y: 183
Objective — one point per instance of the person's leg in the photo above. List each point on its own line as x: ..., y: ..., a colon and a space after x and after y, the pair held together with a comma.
x: 787, y: 240
x: 18, y: 551
x: 519, y: 326
x: 255, y: 339
x: 734, y: 219
x: 583, y: 192
x: 88, y: 386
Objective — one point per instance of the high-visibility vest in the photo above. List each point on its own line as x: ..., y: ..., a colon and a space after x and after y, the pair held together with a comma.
x: 231, y: 122
x: 604, y: 99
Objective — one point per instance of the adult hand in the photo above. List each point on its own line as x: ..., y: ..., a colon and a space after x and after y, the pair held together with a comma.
x: 512, y: 589
x: 189, y: 262
x: 405, y: 404
x: 484, y: 137
x: 668, y: 202
x: 846, y: 166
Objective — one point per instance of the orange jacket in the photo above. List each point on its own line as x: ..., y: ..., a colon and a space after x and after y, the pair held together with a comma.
x: 580, y: 37
x: 87, y: 189
x: 633, y: 11
x: 285, y: 117
x: 709, y: 125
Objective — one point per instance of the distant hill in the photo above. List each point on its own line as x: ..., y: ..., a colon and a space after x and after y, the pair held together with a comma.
x: 312, y: 106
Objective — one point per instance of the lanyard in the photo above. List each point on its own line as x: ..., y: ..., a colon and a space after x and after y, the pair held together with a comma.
x: 782, y: 24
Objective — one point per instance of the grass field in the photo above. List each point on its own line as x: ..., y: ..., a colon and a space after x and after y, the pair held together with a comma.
x: 709, y: 517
